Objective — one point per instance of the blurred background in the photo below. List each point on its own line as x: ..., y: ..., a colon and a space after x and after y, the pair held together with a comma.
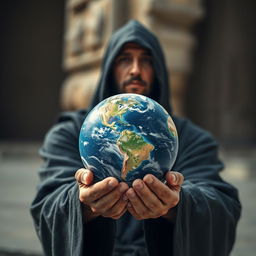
x: 50, y: 57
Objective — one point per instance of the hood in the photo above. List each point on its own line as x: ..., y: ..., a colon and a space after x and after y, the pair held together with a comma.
x: 133, y: 32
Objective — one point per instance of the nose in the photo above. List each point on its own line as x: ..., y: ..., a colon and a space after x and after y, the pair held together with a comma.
x: 135, y: 68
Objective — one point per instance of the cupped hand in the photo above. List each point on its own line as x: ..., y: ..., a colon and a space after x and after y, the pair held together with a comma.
x: 150, y: 198
x: 103, y: 198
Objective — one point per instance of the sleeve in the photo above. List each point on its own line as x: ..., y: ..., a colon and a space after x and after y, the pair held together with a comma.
x: 56, y: 209
x: 209, y: 207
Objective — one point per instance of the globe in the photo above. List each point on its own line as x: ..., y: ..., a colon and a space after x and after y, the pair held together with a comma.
x: 127, y: 136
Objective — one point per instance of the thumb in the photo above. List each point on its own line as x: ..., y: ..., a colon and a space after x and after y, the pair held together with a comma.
x: 84, y: 177
x: 174, y: 178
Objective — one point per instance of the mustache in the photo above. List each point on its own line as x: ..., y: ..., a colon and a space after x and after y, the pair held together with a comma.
x: 133, y: 79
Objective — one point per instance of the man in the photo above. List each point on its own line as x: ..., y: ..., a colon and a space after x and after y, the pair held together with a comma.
x: 75, y: 216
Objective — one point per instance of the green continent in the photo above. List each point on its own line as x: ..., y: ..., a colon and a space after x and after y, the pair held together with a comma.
x: 134, y: 149
x: 115, y: 107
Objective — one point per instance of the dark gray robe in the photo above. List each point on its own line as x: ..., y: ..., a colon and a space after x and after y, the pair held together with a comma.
x: 207, y: 213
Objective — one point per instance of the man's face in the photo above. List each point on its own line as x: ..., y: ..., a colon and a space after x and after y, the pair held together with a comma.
x: 133, y: 70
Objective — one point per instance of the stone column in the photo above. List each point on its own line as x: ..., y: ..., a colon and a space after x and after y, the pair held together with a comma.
x: 88, y: 25
x: 171, y: 21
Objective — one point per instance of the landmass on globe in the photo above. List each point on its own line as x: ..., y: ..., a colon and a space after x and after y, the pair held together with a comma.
x: 134, y: 149
x: 115, y: 108
x: 131, y: 145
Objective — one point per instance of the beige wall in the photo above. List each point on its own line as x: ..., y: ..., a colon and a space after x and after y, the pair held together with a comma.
x: 90, y: 23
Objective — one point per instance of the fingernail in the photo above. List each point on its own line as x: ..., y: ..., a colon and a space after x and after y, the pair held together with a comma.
x: 138, y: 185
x: 125, y: 198
x: 149, y: 179
x: 84, y: 176
x: 112, y: 183
x: 131, y: 194
x: 174, y: 178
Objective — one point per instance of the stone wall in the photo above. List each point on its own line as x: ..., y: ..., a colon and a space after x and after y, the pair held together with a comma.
x: 89, y: 24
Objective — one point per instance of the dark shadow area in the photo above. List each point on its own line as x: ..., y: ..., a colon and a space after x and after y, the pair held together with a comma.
x: 31, y: 73
x: 221, y: 91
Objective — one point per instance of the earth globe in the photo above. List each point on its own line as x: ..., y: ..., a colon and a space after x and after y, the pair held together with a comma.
x: 127, y: 136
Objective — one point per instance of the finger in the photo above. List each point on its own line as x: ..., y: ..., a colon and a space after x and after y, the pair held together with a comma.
x: 174, y: 178
x: 150, y: 200
x: 116, y: 217
x: 84, y: 177
x: 133, y: 212
x: 137, y: 204
x: 163, y: 192
x: 117, y: 210
x: 108, y: 201
x: 98, y: 190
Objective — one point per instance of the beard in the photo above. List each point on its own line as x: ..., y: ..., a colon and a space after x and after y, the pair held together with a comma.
x: 135, y: 84
x: 137, y: 79
x: 153, y: 90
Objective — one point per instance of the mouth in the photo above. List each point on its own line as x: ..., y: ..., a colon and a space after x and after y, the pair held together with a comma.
x: 135, y: 83
x: 135, y: 87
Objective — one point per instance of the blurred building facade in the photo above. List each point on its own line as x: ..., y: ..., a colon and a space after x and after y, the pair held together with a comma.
x: 209, y: 48
x: 89, y: 24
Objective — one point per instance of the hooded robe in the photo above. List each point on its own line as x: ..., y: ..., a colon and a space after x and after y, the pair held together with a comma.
x: 208, y: 210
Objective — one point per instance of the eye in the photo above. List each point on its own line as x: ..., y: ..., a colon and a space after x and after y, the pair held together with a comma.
x: 147, y: 60
x: 123, y: 60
